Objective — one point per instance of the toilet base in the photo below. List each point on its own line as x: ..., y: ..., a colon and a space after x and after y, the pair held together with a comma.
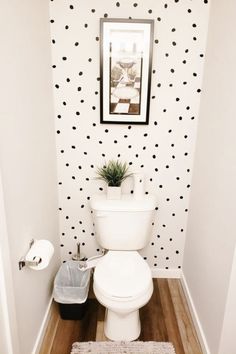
x: 122, y: 326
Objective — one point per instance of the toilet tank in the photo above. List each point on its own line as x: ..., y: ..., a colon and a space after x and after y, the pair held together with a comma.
x: 123, y: 224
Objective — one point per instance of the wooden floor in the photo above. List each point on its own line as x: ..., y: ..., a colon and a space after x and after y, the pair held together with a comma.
x: 165, y: 318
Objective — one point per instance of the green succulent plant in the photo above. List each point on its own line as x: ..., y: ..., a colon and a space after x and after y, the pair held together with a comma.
x: 113, y: 173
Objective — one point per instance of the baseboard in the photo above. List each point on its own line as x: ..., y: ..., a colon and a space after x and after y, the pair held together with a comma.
x: 166, y: 273
x: 42, y: 329
x: 195, y: 318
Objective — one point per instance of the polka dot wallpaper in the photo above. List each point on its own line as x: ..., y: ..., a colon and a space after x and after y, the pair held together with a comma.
x: 162, y: 150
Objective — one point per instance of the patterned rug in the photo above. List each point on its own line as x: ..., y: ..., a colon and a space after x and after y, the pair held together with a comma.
x: 122, y: 348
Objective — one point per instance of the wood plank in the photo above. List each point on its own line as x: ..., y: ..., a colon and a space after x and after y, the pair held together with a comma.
x: 170, y: 317
x: 185, y: 324
x: 88, y: 326
x: 100, y: 335
x: 165, y: 318
x: 65, y: 336
x: 50, y: 333
x: 153, y: 325
x: 69, y: 331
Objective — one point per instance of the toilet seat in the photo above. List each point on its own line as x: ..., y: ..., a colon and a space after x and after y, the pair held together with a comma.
x: 122, y: 276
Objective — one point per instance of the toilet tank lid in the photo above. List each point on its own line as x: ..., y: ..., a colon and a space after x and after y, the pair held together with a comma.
x: 126, y: 203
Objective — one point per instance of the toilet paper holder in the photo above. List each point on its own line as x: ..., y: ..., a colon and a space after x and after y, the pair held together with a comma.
x: 23, y: 262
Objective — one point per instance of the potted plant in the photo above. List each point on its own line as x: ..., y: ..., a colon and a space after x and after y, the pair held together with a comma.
x: 113, y: 173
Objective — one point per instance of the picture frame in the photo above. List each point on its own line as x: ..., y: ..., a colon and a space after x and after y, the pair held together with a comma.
x: 125, y: 70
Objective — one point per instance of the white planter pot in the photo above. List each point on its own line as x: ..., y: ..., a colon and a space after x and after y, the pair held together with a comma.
x: 113, y: 192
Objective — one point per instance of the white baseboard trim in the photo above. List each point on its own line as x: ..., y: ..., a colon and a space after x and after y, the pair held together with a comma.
x: 195, y: 318
x: 42, y: 329
x: 166, y: 273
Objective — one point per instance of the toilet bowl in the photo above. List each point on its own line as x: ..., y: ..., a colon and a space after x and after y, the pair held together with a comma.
x: 123, y: 284
x: 122, y: 278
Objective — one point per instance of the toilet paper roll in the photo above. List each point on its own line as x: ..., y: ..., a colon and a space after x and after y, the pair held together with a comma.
x: 41, y: 250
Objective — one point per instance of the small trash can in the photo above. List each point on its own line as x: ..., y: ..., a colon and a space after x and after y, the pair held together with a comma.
x: 71, y: 286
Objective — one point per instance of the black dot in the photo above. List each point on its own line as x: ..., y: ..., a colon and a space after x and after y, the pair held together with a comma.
x: 76, y: 44
x: 64, y: 58
x: 93, y: 10
x: 158, y: 19
x: 135, y: 4
x: 71, y: 7
x: 149, y: 11
x: 118, y: 4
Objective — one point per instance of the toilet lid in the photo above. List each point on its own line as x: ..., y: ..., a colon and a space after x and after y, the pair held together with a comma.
x: 122, y: 274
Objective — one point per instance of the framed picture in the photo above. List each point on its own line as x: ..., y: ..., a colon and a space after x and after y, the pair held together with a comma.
x: 125, y: 64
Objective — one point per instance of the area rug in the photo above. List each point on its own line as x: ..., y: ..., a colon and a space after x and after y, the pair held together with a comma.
x: 122, y: 348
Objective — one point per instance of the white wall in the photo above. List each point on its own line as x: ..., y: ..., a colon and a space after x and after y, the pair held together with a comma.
x: 27, y: 155
x: 211, y: 236
x: 162, y: 150
x: 227, y: 341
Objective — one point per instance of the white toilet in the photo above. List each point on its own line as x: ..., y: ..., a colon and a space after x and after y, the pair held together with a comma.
x: 122, y: 279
